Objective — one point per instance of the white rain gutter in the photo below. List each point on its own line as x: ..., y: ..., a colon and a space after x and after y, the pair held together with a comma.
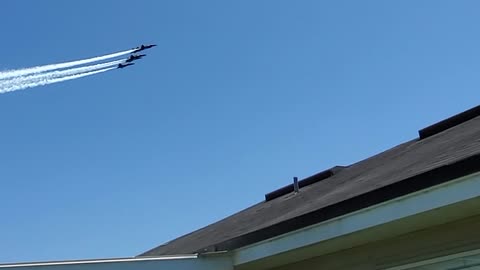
x: 177, y: 262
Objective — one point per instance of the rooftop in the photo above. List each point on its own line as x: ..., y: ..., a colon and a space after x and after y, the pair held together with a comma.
x: 442, y: 152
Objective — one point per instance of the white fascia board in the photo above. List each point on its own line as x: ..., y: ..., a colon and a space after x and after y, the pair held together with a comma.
x: 454, y: 191
x: 181, y: 262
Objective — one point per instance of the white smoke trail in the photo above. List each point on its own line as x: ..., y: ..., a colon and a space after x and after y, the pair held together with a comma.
x: 53, y: 80
x: 38, y: 69
x: 17, y: 81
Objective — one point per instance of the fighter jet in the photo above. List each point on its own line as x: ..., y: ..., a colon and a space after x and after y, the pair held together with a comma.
x: 144, y: 47
x: 134, y: 57
x: 123, y: 65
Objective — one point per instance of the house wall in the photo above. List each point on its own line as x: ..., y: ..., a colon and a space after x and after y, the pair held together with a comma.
x: 425, y: 244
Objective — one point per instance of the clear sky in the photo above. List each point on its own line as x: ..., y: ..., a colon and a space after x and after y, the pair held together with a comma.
x: 239, y: 97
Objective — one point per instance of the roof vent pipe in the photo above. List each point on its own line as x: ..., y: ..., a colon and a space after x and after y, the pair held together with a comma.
x: 295, y: 184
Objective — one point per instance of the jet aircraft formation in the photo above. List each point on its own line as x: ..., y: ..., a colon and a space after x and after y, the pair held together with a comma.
x: 134, y: 56
x: 23, y: 78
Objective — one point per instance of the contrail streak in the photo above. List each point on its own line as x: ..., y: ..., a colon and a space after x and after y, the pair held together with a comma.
x: 54, y: 80
x: 38, y: 69
x: 54, y: 74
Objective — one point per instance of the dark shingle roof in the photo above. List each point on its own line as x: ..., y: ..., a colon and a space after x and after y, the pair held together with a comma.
x: 411, y: 166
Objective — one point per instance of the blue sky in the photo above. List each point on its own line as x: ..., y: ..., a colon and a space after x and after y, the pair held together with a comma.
x: 239, y: 97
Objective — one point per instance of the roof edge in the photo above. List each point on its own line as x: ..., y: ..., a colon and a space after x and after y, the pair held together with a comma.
x: 304, y: 182
x: 412, y: 184
x: 103, y: 260
x: 449, y: 122
x: 436, y: 198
